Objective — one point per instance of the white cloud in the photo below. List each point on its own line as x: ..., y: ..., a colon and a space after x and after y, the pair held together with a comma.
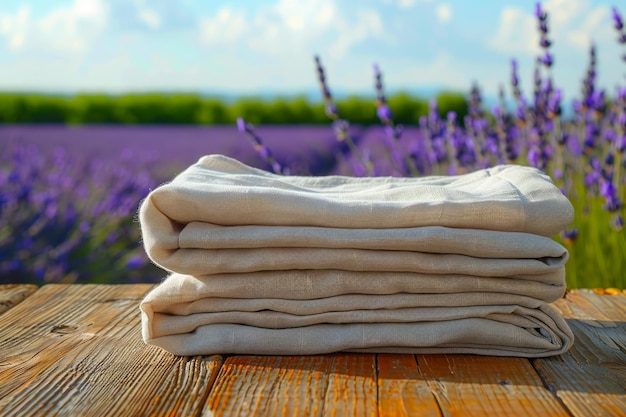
x: 444, y: 12
x: 561, y: 12
x: 368, y: 24
x: 281, y: 27
x: 405, y: 4
x: 594, y: 28
x: 443, y: 70
x: 67, y: 29
x: 516, y: 32
x: 14, y: 27
x: 571, y: 21
x: 292, y: 26
x: 225, y: 27
x: 150, y: 17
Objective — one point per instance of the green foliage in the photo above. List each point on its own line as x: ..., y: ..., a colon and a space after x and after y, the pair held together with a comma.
x: 408, y: 109
x: 450, y: 101
x: 28, y: 108
x: 92, y: 109
x: 597, y: 256
x: 155, y: 108
x: 357, y: 110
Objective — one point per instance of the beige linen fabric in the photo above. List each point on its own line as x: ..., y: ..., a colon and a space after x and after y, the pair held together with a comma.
x: 185, y: 322
x: 221, y: 191
x: 189, y: 315
x: 268, y: 264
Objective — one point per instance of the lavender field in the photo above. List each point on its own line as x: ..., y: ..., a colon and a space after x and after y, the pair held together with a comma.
x: 70, y: 194
x: 583, y: 153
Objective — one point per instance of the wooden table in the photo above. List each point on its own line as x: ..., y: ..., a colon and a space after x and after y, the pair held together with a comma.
x: 77, y: 350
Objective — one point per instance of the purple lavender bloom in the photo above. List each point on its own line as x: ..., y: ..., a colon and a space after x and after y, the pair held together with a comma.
x: 241, y: 125
x: 612, y: 204
x: 378, y: 84
x: 135, y: 261
x: 554, y: 104
x: 598, y: 101
x: 569, y: 236
x: 384, y: 113
x: 607, y: 189
x: 382, y: 109
x: 341, y: 129
x: 534, y: 157
x: 256, y: 141
x: 539, y: 13
x: 594, y: 173
x: 546, y: 59
x: 514, y: 75
x: 609, y: 192
x: 617, y: 19
x: 331, y: 110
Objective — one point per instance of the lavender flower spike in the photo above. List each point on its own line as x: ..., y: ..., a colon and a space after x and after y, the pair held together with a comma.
x: 330, y: 107
x: 383, y: 112
x: 382, y: 109
x: 539, y: 13
x: 257, y: 143
x: 340, y: 126
x: 617, y: 19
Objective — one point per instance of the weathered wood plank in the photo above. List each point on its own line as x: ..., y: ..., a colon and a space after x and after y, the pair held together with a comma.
x: 402, y: 389
x: 468, y: 385
x: 340, y: 384
x: 352, y: 386
x: 77, y: 350
x: 13, y: 294
x: 590, y: 378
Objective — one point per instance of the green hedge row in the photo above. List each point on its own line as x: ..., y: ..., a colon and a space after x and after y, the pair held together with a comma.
x: 196, y: 109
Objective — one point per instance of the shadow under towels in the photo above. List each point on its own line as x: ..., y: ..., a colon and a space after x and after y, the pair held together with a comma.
x: 267, y: 264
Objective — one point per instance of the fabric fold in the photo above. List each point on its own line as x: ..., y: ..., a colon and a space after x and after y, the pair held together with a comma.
x: 260, y: 263
x: 221, y: 191
x: 474, y: 335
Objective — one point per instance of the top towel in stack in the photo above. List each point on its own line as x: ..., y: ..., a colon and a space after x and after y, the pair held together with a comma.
x: 266, y: 264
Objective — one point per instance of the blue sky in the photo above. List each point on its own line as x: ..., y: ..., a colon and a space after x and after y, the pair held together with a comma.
x: 247, y: 47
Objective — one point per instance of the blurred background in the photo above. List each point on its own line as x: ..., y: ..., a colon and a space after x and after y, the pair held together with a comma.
x: 103, y: 100
x: 238, y: 47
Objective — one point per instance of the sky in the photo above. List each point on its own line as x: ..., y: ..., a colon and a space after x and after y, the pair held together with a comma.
x: 266, y: 47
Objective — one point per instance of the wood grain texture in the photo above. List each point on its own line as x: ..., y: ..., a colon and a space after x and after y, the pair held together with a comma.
x: 13, y: 294
x: 591, y: 378
x: 467, y: 385
x: 402, y: 389
x: 77, y: 350
x: 336, y: 385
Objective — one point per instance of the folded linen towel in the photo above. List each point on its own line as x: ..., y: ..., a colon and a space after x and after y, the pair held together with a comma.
x: 185, y: 315
x: 266, y: 264
x: 216, y: 261
x: 306, y: 285
x: 183, y: 221
x: 220, y: 190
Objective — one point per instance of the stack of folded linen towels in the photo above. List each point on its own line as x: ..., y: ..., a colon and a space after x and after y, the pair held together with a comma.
x: 261, y: 263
